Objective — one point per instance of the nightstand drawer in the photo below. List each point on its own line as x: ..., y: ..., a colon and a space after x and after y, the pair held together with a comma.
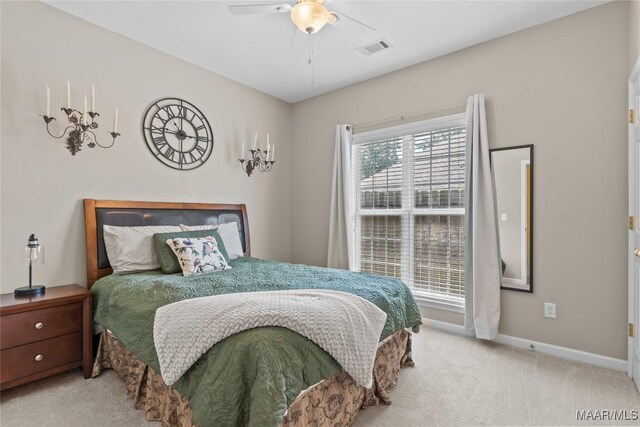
x: 35, y: 325
x: 28, y: 359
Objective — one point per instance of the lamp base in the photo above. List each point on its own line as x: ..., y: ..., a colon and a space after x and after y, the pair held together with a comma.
x: 28, y: 291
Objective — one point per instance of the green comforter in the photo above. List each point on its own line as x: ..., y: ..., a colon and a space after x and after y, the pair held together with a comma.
x: 252, y: 377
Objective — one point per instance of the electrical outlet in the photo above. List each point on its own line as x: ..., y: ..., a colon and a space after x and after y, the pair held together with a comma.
x: 550, y: 310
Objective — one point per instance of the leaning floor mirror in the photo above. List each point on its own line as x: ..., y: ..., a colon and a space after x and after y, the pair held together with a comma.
x: 513, y: 172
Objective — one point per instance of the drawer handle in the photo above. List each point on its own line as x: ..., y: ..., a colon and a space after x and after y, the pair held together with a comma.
x: 39, y: 357
x: 39, y: 325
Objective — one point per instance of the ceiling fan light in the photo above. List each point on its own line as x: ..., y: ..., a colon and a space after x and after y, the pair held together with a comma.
x: 310, y: 16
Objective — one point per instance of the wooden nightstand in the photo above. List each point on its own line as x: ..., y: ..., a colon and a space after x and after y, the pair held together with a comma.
x: 45, y: 334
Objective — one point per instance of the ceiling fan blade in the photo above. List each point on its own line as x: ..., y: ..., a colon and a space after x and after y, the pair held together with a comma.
x: 258, y: 9
x: 351, y: 25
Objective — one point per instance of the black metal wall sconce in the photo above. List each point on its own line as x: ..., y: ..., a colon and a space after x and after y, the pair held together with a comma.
x: 262, y: 160
x: 82, y: 125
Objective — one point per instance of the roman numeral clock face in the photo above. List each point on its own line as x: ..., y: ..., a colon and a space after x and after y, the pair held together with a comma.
x: 178, y: 134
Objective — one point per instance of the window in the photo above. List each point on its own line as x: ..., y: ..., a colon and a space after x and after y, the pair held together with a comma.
x: 408, y: 203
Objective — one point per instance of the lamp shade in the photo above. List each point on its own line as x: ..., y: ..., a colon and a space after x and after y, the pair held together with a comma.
x: 310, y: 15
x: 33, y: 253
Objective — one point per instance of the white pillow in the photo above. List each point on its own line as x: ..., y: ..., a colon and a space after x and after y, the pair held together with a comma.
x: 229, y: 234
x: 197, y: 227
x: 131, y: 248
x: 198, y: 255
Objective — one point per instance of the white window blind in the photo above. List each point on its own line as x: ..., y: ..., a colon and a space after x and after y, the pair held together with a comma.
x: 408, y: 202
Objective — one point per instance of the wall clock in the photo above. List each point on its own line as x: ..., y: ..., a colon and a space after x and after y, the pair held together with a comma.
x: 178, y: 134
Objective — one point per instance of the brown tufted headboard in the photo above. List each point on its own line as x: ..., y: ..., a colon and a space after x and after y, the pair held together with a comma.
x: 123, y: 213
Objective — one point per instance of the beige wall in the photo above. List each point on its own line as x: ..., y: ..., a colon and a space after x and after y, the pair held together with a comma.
x: 634, y: 31
x: 43, y: 185
x: 561, y: 86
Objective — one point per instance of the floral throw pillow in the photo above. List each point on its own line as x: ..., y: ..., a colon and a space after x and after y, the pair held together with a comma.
x: 198, y: 255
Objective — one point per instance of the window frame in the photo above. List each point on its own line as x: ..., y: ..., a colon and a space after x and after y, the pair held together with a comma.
x: 409, y: 211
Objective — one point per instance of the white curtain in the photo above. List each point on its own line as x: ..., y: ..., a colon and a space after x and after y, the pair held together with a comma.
x: 340, y: 220
x: 483, y: 274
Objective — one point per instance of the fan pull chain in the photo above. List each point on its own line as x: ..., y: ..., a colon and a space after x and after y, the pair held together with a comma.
x: 311, y: 57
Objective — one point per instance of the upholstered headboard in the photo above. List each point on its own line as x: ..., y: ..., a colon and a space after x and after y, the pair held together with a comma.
x: 123, y: 213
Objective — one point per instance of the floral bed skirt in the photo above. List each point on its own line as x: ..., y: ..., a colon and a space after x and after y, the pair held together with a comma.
x: 334, y: 401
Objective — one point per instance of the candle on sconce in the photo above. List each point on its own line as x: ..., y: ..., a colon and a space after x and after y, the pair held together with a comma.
x: 273, y: 152
x: 84, y: 114
x: 115, y: 121
x: 93, y: 98
x: 268, y: 152
x: 267, y: 142
x: 68, y: 94
x: 255, y: 142
x: 48, y: 106
x: 242, y: 152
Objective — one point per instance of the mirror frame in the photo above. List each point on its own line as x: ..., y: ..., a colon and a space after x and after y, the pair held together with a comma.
x: 531, y: 210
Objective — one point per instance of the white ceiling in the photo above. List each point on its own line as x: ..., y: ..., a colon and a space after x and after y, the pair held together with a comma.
x: 260, y: 51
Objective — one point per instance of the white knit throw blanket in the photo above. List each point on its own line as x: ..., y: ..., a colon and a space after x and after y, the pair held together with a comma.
x: 344, y: 325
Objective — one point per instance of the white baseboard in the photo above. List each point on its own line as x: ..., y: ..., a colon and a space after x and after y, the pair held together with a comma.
x: 554, y: 350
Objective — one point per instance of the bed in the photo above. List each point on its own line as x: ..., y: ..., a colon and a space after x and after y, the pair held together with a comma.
x: 266, y: 376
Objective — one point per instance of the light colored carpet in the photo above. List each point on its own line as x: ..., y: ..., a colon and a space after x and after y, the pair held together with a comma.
x: 456, y: 381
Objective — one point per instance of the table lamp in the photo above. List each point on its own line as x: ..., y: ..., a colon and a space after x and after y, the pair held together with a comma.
x: 33, y: 254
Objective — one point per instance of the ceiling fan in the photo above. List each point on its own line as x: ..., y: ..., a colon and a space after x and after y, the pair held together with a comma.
x: 308, y: 15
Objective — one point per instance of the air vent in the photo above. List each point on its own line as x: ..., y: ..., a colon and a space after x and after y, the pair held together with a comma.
x: 374, y: 47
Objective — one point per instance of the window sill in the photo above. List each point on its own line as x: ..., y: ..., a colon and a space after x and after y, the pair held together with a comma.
x: 440, y: 303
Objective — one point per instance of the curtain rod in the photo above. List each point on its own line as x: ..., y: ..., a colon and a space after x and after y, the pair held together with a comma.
x: 408, y: 116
